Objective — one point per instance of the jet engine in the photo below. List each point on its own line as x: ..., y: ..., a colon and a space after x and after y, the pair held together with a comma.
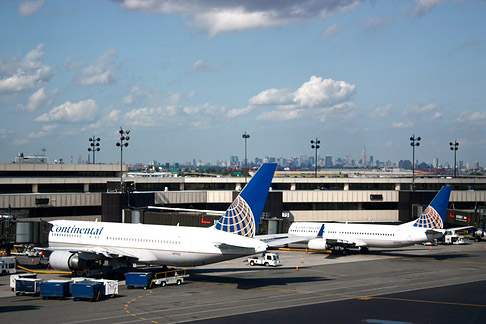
x: 66, y: 261
x: 318, y: 244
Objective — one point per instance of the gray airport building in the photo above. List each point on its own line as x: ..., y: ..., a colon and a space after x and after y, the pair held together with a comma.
x: 33, y: 192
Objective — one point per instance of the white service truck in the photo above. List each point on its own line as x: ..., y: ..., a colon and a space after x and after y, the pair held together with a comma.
x: 266, y: 259
x: 7, y: 265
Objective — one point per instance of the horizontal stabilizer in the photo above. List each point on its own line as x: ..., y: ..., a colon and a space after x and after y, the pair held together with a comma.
x: 235, y: 249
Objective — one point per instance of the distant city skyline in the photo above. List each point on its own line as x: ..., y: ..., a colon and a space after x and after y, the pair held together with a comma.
x: 303, y: 160
x: 189, y: 77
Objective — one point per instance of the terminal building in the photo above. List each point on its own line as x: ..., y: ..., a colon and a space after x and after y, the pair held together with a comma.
x: 34, y: 192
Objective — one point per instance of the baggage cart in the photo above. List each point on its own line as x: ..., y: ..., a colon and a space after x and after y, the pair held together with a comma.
x: 138, y: 279
x: 55, y: 289
x: 87, y: 289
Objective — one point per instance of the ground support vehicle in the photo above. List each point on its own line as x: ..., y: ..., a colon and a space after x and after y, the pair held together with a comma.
x: 27, y: 286
x: 170, y: 277
x: 87, y: 290
x: 267, y: 259
x: 15, y: 277
x: 7, y: 265
x: 55, y: 289
x: 139, y: 279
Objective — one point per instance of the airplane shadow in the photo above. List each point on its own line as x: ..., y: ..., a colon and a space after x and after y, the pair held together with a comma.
x: 432, y: 256
x: 402, y: 252
x: 18, y: 308
x: 252, y: 283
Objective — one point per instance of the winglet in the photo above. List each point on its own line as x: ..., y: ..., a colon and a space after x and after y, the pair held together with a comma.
x: 243, y: 215
x: 434, y: 216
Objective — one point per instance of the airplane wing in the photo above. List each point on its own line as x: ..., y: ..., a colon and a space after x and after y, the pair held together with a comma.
x: 235, y: 249
x: 274, y: 240
x: 108, y: 253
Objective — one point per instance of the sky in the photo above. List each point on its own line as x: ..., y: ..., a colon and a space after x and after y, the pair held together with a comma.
x: 189, y: 77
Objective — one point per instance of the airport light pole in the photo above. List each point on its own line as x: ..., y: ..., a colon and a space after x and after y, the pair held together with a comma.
x: 246, y: 136
x: 124, y: 138
x: 95, y: 146
x: 315, y: 145
x: 414, y: 141
x: 454, y: 147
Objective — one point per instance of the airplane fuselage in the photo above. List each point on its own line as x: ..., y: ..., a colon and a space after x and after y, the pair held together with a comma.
x: 155, y: 244
x: 366, y: 235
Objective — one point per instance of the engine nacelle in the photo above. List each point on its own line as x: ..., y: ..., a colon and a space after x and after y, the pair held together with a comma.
x: 66, y: 261
x: 318, y: 244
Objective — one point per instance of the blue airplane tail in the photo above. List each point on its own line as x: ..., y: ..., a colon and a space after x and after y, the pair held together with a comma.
x: 243, y: 215
x: 434, y: 216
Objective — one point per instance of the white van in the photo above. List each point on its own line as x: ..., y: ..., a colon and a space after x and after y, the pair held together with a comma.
x: 7, y: 265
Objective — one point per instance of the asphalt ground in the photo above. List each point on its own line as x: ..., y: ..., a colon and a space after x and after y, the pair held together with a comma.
x: 445, y: 284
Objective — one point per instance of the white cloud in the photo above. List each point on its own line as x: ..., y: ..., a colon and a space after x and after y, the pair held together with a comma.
x: 102, y: 72
x: 420, y: 109
x: 402, y: 125
x: 220, y: 16
x: 330, y: 31
x: 319, y: 92
x: 38, y: 98
x: 280, y: 115
x: 236, y: 112
x: 325, y: 95
x: 381, y: 111
x: 72, y: 112
x: 205, y: 109
x: 108, y: 117
x: 24, y: 74
x: 235, y: 19
x: 437, y: 116
x: 45, y: 131
x: 202, y: 65
x: 476, y: 117
x: 149, y: 116
x: 345, y: 110
x: 28, y: 8
x: 424, y: 6
x: 272, y: 97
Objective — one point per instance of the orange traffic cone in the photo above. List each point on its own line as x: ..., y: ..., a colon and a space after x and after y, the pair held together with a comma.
x: 430, y: 249
x: 297, y: 268
x: 32, y: 261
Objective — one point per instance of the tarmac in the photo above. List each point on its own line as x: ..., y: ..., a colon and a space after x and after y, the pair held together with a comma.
x: 418, y: 284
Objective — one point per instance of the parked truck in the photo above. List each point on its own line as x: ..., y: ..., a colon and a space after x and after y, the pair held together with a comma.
x: 266, y: 259
x: 7, y: 265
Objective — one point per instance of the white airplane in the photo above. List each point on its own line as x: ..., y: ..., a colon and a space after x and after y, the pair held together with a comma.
x: 80, y: 246
x: 325, y: 236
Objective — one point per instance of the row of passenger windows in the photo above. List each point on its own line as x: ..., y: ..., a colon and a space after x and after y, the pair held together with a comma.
x: 144, y: 240
x: 360, y: 233
x: 124, y: 239
x: 336, y: 232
